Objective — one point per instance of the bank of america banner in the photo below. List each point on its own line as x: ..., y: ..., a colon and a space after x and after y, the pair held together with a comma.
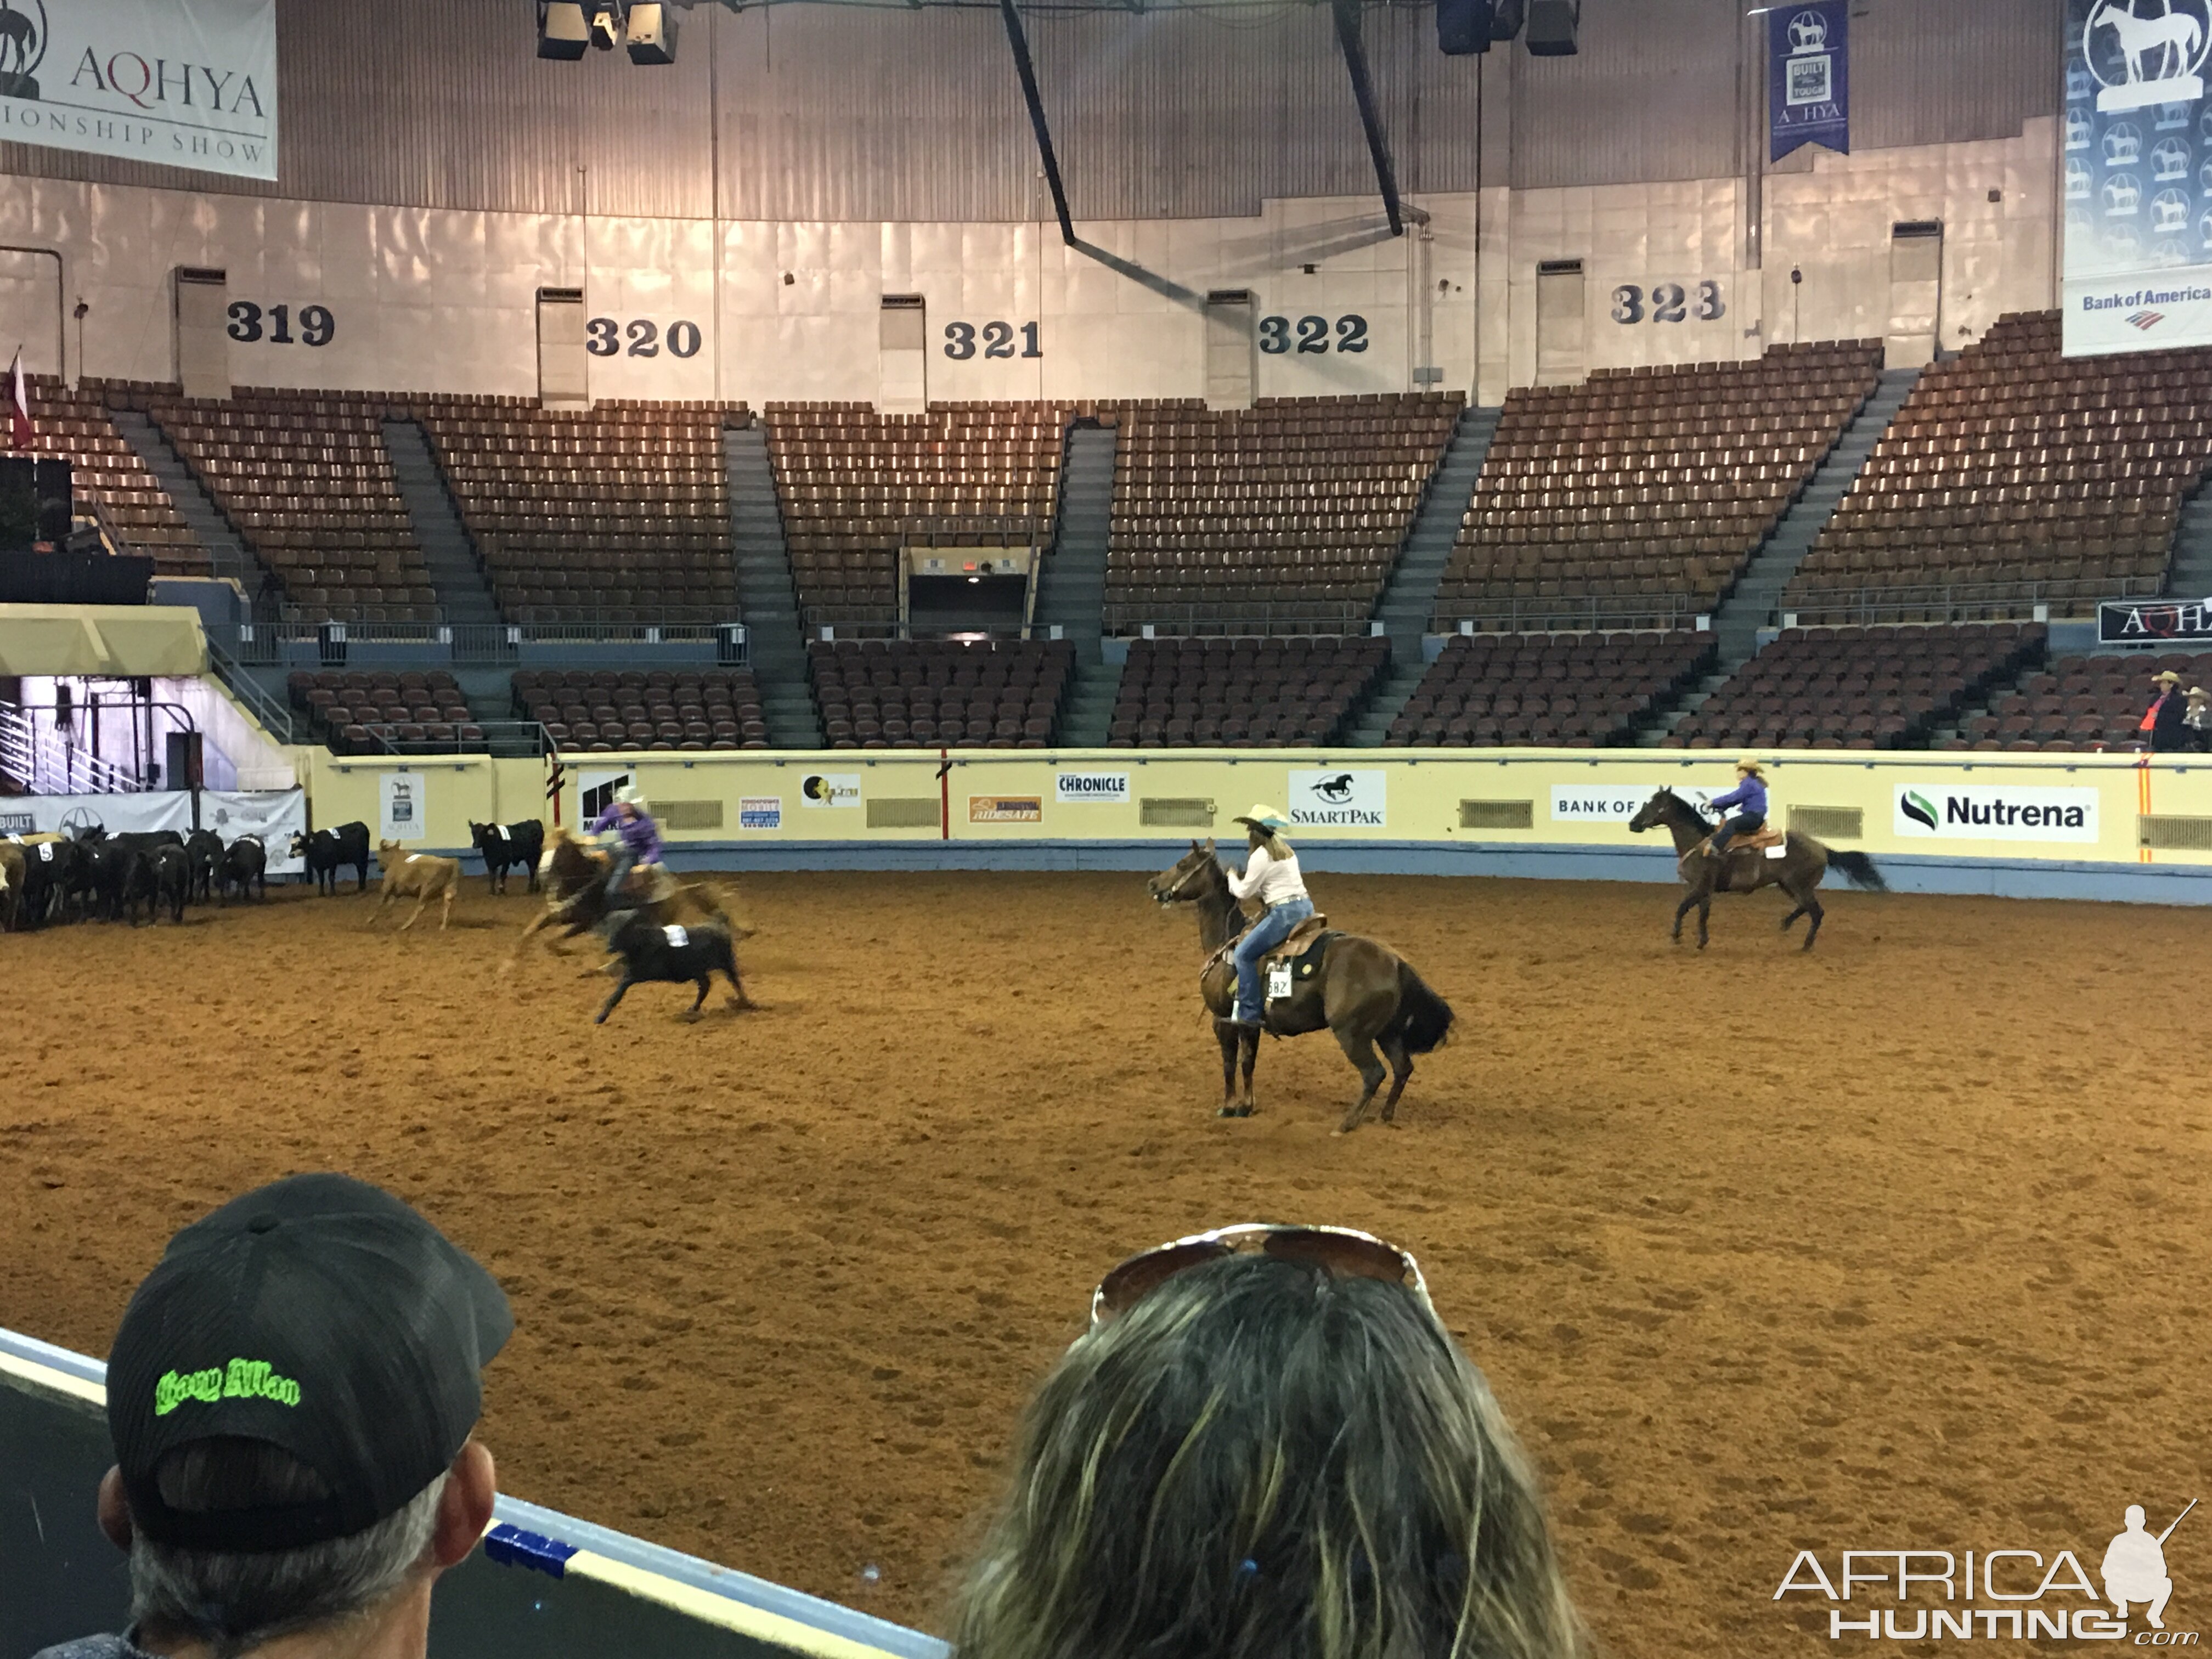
x: 2137, y: 137
x: 189, y: 83
x: 1807, y: 79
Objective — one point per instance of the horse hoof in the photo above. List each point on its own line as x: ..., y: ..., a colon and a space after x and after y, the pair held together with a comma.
x: 1234, y: 1111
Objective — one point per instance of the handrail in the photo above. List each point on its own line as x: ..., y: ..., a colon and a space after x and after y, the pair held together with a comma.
x: 276, y: 719
x: 2014, y: 601
x: 35, y: 756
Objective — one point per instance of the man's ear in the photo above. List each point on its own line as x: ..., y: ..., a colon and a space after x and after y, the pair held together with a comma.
x: 114, y: 1509
x: 464, y: 1507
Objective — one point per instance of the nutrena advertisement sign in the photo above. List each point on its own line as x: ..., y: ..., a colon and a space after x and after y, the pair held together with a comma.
x: 1994, y: 811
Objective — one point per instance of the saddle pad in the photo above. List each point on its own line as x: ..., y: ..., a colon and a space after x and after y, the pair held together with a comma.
x: 1779, y: 850
x: 1306, y: 963
x: 677, y: 936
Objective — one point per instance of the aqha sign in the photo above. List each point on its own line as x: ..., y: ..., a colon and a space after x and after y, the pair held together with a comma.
x: 189, y: 83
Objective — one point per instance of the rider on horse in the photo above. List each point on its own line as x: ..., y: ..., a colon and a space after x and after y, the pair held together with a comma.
x: 1271, y: 876
x: 1750, y: 796
x: 639, y: 842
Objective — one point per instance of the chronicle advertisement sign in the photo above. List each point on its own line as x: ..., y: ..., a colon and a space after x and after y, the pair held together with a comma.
x: 1339, y: 800
x: 188, y: 83
x: 830, y: 789
x: 1101, y: 789
x: 1994, y: 811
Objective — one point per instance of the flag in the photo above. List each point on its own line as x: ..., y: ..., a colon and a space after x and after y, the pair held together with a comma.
x: 19, y: 432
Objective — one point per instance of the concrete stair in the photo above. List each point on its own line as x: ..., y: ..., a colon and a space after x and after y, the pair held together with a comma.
x: 1372, y: 724
x: 1072, y: 586
x: 1089, y: 710
x: 2191, y: 575
x: 1750, y: 604
x: 464, y: 594
x: 769, y: 602
x: 226, y: 553
x: 1692, y: 700
x: 1409, y: 597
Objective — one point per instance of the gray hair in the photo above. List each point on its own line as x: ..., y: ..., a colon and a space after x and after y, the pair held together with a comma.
x: 237, y: 1602
x: 1259, y: 1460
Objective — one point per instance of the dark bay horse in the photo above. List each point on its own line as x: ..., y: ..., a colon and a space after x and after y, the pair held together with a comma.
x: 1366, y: 993
x: 1796, y: 873
x: 575, y: 875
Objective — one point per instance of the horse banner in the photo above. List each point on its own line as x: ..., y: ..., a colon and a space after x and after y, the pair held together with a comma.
x: 1808, y: 98
x: 2136, y: 136
x: 189, y: 83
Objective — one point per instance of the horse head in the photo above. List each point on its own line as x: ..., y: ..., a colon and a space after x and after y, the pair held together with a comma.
x: 1653, y: 811
x: 1180, y: 882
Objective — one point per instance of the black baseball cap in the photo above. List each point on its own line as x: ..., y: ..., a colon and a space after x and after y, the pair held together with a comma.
x: 322, y: 1316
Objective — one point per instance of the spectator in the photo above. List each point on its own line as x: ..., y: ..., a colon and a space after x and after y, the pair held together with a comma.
x: 2163, y: 722
x: 1267, y: 1447
x: 2198, y: 719
x: 292, y: 1395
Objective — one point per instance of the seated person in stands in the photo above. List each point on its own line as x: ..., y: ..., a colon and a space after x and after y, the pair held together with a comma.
x: 2198, y: 720
x: 294, y: 1469
x: 1750, y: 796
x: 1267, y: 1444
x: 639, y: 837
x: 1271, y: 876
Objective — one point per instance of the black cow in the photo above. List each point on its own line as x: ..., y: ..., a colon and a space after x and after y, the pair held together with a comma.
x: 504, y: 845
x: 654, y: 955
x: 203, y: 858
x: 329, y: 851
x: 140, y: 884
x: 173, y: 880
x: 245, y: 864
x: 143, y: 841
x: 104, y: 869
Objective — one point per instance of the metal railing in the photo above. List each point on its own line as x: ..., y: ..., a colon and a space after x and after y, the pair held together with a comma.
x: 1210, y: 618
x: 507, y: 737
x: 271, y: 644
x: 1955, y: 602
x: 45, y: 763
x: 1580, y: 613
x: 978, y: 529
x: 275, y: 717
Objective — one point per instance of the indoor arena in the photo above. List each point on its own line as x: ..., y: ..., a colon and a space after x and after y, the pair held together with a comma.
x: 1063, y: 830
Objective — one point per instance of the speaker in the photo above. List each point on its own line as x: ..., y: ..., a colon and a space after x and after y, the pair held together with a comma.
x: 1505, y: 19
x: 57, y: 503
x: 1551, y: 27
x: 1463, y: 26
x: 652, y: 38
x: 562, y: 32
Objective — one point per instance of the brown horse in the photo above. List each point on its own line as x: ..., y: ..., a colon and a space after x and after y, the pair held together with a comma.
x: 1366, y: 993
x: 574, y: 873
x: 1745, y: 869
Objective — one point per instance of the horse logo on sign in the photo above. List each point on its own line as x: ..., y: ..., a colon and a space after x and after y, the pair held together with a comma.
x: 2143, y: 56
x: 23, y: 46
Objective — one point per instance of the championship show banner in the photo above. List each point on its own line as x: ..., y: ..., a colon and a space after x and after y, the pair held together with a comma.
x: 188, y: 83
x: 2136, y: 136
x: 275, y: 815
x: 2148, y: 622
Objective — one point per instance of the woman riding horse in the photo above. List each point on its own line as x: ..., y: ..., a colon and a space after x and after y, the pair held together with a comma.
x: 1270, y: 877
x: 639, y: 842
x: 1749, y: 796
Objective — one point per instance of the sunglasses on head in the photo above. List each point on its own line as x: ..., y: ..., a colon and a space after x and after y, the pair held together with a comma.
x: 1343, y: 1252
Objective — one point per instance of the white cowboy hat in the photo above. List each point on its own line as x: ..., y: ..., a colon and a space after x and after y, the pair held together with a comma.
x: 1265, y: 818
x: 630, y: 795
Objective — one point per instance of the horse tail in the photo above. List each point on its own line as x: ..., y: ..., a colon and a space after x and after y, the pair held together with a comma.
x: 1858, y: 870
x: 1424, y: 1019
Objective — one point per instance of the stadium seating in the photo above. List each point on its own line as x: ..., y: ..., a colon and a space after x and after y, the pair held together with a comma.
x: 620, y: 512
x: 1641, y: 493
x: 2013, y: 473
x: 2079, y: 703
x: 411, y: 710
x: 1858, y: 688
x: 72, y: 423
x: 1237, y: 693
x: 305, y: 479
x: 855, y: 486
x: 1582, y: 690
x: 600, y: 710
x: 898, y: 694
x: 1294, y: 510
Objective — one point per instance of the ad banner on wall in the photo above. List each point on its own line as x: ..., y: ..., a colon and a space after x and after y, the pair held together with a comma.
x: 275, y: 815
x: 188, y: 83
x: 2137, y: 137
x: 1808, y: 86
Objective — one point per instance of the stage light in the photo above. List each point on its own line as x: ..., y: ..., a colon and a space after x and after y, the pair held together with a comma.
x: 652, y: 37
x: 606, y: 22
x: 561, y: 31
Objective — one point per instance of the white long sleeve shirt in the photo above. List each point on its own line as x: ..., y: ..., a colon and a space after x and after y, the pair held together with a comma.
x: 1268, y: 879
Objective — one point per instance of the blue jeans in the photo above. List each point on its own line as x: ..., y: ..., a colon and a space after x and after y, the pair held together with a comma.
x: 1262, y: 936
x: 618, y: 873
x: 1743, y: 823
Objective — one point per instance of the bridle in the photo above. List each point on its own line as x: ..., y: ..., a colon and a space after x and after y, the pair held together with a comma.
x: 1181, y: 881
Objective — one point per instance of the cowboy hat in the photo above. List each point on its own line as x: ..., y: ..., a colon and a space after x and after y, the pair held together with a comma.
x: 2167, y: 677
x: 1747, y: 764
x: 630, y: 795
x: 1264, y: 818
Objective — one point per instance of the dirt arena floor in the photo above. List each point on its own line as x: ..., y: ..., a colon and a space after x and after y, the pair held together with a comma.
x: 1903, y: 1243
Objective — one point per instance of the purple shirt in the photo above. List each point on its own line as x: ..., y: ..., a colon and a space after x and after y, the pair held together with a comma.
x: 1750, y: 794
x: 639, y: 834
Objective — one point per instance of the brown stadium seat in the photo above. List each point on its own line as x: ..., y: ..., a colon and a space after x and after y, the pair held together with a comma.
x: 356, y: 713
x: 1293, y: 509
x: 72, y: 423
x: 2082, y: 703
x: 1646, y: 491
x: 1579, y: 691
x: 2013, y: 475
x: 1880, y: 688
x: 680, y: 708
x: 1243, y: 693
x: 893, y: 694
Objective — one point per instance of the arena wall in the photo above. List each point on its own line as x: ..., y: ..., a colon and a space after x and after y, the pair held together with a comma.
x: 1557, y: 813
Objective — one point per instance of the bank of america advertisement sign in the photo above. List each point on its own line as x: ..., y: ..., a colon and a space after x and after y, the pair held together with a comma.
x: 1993, y: 812
x: 2137, y: 175
x: 188, y: 83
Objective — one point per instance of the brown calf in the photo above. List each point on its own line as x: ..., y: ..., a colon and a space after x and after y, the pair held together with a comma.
x: 418, y: 876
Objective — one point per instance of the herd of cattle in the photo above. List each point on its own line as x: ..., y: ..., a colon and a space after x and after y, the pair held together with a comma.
x: 91, y: 875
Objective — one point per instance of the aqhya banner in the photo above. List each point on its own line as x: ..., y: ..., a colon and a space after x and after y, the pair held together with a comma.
x: 275, y: 815
x: 2136, y: 136
x: 2148, y: 622
x: 189, y: 83
x: 1807, y: 77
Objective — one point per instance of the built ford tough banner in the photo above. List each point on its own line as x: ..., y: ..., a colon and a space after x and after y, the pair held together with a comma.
x: 189, y: 83
x: 2136, y: 170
